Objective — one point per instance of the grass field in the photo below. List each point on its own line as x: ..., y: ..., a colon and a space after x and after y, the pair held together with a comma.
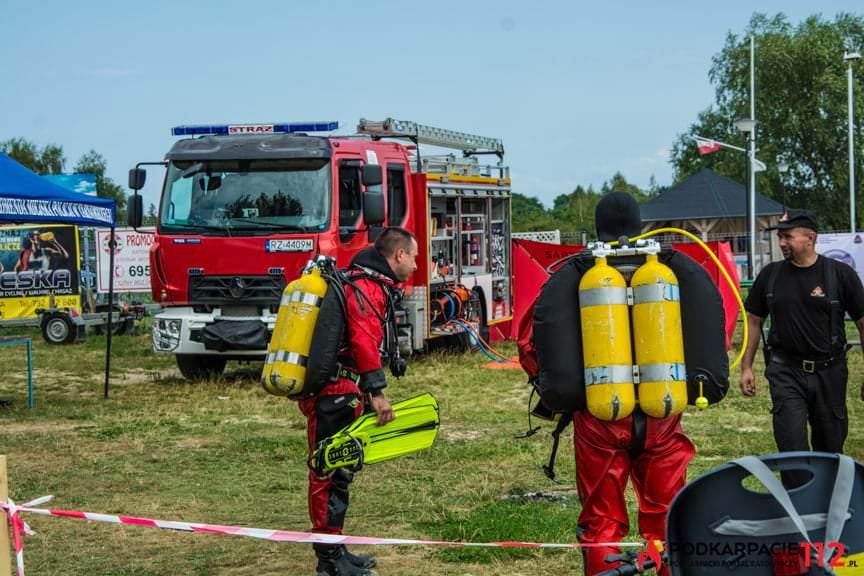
x: 226, y: 452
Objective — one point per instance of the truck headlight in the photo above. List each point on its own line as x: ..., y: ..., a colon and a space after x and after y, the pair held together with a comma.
x: 173, y: 328
x: 166, y: 335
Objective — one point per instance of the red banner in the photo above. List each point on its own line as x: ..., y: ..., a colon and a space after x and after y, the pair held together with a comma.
x: 531, y: 259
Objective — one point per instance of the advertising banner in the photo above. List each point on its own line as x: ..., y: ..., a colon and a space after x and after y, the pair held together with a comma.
x: 131, y: 260
x: 845, y: 247
x: 36, y: 262
x: 81, y: 183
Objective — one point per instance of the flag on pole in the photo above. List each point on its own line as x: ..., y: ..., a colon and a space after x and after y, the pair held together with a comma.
x: 759, y: 166
x: 707, y: 146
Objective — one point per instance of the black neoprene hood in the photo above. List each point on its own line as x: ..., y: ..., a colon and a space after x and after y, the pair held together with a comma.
x: 616, y: 215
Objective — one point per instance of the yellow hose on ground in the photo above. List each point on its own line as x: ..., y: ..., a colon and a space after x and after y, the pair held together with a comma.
x: 746, y: 335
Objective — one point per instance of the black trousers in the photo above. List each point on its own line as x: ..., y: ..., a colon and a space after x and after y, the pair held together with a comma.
x: 329, y: 495
x: 799, y: 398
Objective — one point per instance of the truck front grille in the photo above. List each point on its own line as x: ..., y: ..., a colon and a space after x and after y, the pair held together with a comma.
x: 248, y: 290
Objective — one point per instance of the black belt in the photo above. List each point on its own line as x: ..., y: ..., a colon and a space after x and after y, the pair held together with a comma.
x: 348, y: 373
x: 809, y: 366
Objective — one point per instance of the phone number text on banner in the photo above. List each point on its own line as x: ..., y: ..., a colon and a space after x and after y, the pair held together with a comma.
x: 131, y: 260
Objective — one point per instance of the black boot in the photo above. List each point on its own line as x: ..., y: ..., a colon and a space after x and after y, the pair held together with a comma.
x: 333, y: 561
x: 359, y: 560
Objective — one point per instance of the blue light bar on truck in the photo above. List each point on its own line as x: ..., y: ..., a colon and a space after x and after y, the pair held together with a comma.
x: 284, y: 128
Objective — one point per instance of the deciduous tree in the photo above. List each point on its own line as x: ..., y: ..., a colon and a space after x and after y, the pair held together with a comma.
x: 94, y: 163
x: 801, y: 110
x: 46, y: 160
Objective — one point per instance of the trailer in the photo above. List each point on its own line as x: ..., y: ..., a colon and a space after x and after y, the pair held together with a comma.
x: 67, y: 325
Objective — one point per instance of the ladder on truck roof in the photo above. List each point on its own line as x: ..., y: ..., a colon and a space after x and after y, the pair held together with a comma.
x: 470, y: 144
x: 449, y: 165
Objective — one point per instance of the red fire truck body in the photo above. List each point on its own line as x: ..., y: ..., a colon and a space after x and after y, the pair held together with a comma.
x: 244, y: 207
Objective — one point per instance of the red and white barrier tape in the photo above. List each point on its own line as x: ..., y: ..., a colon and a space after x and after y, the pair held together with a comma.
x: 14, y: 511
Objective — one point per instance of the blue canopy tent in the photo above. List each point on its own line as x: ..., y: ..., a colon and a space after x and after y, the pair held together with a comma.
x: 27, y: 197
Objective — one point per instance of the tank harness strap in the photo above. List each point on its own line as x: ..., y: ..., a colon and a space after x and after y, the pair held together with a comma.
x: 836, y: 324
x: 769, y: 298
x: 638, y: 434
x: 609, y: 374
x: 359, y: 272
x: 391, y: 293
x: 531, y: 429
x: 605, y: 296
x: 658, y: 292
x: 662, y: 371
x: 287, y: 357
x: 303, y: 298
x: 343, y: 371
x: 549, y: 469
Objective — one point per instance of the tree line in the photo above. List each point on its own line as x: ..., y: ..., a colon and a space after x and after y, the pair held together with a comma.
x: 50, y: 159
x: 574, y: 211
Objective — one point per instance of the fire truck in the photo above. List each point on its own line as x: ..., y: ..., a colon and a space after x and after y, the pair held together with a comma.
x: 244, y: 207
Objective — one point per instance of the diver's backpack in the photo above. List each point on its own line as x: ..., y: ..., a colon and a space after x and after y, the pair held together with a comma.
x: 724, y: 522
x: 557, y: 333
x: 303, y: 354
x: 312, y: 317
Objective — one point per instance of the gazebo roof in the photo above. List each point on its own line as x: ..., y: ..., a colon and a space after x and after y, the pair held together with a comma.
x: 703, y: 195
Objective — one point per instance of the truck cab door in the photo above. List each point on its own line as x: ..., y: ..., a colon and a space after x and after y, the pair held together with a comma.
x: 352, y: 236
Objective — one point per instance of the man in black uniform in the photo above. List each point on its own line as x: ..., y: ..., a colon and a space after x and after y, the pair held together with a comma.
x: 806, y: 295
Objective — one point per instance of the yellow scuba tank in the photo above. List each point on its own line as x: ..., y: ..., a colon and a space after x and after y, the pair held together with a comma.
x: 658, y: 339
x: 606, y: 350
x: 285, y: 368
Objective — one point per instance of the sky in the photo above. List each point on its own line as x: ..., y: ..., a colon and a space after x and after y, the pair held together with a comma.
x: 576, y: 90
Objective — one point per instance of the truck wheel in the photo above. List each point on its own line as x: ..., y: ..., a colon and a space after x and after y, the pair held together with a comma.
x: 195, y: 367
x: 58, y: 329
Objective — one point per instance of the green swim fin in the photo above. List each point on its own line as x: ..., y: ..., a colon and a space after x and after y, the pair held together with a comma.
x: 364, y: 442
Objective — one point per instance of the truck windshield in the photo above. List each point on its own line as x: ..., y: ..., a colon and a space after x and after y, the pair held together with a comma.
x: 257, y: 196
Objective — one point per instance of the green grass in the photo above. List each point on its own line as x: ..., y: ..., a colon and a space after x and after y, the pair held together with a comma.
x: 225, y: 452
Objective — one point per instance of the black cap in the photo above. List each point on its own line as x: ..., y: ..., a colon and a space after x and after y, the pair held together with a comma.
x: 795, y: 218
x: 616, y: 215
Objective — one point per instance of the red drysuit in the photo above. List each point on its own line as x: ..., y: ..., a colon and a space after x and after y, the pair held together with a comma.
x: 340, y: 403
x: 606, y: 457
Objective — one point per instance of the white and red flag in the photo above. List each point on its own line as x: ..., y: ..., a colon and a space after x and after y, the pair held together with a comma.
x: 707, y: 146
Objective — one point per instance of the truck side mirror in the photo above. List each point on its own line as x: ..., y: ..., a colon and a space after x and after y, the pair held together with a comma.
x: 135, y: 208
x: 372, y: 175
x: 373, y: 207
x: 137, y: 177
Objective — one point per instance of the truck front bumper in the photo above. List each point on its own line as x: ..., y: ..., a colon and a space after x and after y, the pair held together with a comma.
x: 179, y: 331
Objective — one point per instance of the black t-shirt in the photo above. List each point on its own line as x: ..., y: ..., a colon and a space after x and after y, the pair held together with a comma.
x: 800, y: 323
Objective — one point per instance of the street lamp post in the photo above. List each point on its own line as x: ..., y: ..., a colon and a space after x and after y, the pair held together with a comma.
x: 851, y: 57
x: 748, y: 126
x: 783, y: 168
